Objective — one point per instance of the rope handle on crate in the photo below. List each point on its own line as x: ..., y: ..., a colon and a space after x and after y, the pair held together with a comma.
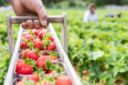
x: 51, y: 19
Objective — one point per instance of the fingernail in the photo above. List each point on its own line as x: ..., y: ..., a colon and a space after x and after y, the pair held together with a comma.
x: 44, y: 23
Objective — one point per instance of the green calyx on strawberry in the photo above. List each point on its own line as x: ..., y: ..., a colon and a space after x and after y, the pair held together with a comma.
x: 46, y: 63
x: 48, y: 80
x: 39, y: 71
x: 50, y: 66
x: 48, y: 44
x: 54, y: 67
x: 30, y: 32
x: 48, y: 36
x: 52, y: 55
x: 25, y: 43
x: 30, y: 44
x: 30, y: 62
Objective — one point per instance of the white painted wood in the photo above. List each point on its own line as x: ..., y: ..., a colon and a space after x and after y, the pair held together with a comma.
x: 51, y: 19
x: 10, y: 74
x: 10, y: 36
x: 64, y: 33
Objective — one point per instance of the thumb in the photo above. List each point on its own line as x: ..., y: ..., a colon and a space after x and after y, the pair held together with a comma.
x: 42, y: 14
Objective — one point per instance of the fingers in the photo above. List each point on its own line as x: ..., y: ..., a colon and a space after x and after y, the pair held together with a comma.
x: 37, y: 24
x: 43, y: 19
x: 41, y: 12
x: 29, y: 24
x: 37, y: 8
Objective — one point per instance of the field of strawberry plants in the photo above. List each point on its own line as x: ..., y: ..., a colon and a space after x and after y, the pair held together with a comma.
x: 98, y: 51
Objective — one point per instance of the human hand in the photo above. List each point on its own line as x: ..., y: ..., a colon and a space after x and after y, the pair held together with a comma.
x: 30, y: 8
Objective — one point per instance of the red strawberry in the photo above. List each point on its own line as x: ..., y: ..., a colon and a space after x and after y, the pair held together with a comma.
x: 28, y: 37
x: 19, y: 64
x: 43, y: 53
x: 52, y: 57
x: 24, y: 53
x: 51, y: 46
x: 38, y: 44
x: 51, y: 38
x: 32, y: 55
x: 24, y: 69
x: 41, y: 62
x: 85, y: 72
x: 33, y: 77
x: 36, y: 31
x: 41, y: 34
x: 63, y: 80
x: 51, y: 72
x: 23, y: 45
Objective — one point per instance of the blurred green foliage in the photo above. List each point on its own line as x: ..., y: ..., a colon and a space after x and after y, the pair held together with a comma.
x: 82, y: 3
x: 2, y: 2
x: 101, y: 48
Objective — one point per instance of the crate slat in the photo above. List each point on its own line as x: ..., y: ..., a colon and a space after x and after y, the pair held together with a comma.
x: 10, y: 74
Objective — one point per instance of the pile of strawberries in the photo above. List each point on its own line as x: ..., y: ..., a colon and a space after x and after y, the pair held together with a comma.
x: 39, y: 63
